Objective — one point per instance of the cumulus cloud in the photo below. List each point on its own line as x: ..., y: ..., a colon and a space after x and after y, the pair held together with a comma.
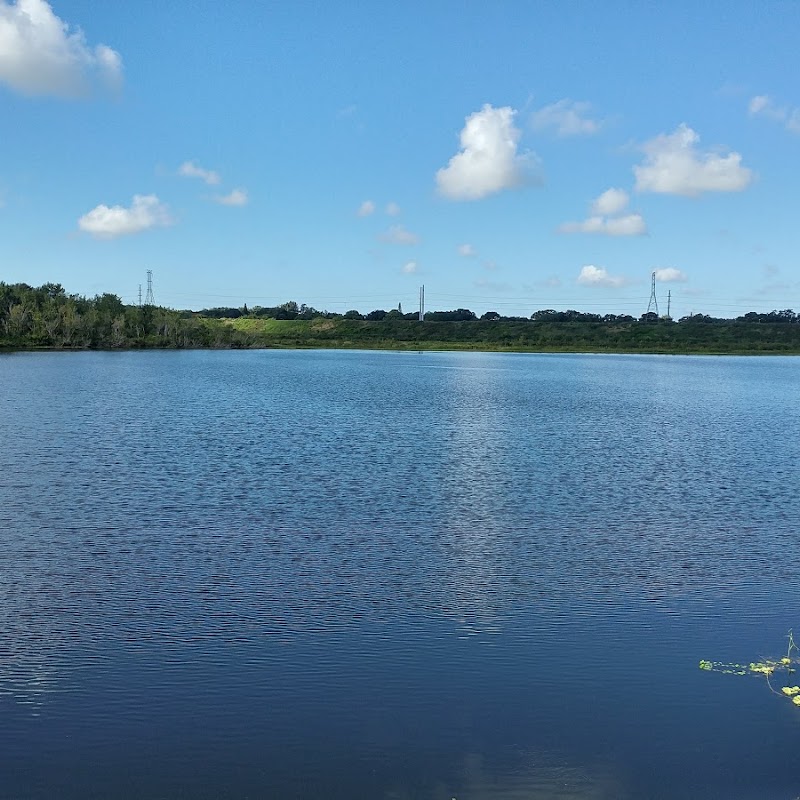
x: 629, y: 225
x: 670, y: 275
x: 466, y: 250
x: 760, y: 104
x: 605, y: 217
x: 488, y: 161
x: 612, y: 201
x: 42, y: 54
x: 674, y: 165
x: 598, y: 276
x: 397, y: 234
x: 392, y: 209
x: 191, y: 170
x: 237, y: 197
x: 566, y: 118
x: 410, y: 268
x: 108, y: 222
x: 763, y: 105
x: 366, y: 208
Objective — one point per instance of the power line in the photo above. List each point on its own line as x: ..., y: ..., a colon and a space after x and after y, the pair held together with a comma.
x: 518, y: 305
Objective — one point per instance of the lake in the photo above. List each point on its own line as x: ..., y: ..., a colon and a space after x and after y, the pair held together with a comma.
x: 324, y: 574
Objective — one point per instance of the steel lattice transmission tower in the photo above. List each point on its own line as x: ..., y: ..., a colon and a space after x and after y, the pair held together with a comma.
x: 653, y: 304
x: 149, y: 300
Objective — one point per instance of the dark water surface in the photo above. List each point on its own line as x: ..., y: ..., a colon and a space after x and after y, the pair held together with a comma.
x: 383, y: 575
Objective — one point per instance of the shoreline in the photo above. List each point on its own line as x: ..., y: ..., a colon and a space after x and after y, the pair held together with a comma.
x: 421, y: 347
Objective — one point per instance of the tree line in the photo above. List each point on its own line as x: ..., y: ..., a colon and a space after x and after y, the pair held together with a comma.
x: 292, y: 310
x: 47, y: 316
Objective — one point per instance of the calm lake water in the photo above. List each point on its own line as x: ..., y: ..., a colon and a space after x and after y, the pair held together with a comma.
x: 396, y: 575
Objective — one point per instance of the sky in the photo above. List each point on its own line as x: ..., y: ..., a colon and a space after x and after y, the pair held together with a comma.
x: 510, y: 156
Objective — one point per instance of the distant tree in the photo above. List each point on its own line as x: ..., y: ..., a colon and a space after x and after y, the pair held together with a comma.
x: 490, y: 315
x: 53, y: 290
x: 458, y: 315
x: 221, y: 313
x: 108, y: 304
x: 308, y: 312
x: 570, y: 315
x: 377, y: 315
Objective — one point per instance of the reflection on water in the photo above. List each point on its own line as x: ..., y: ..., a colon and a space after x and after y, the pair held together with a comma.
x: 278, y: 574
x: 537, y: 776
x: 471, y: 439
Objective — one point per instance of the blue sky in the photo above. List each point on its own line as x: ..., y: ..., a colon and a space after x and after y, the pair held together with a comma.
x: 510, y: 156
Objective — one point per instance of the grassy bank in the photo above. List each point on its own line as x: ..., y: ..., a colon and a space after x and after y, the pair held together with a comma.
x: 522, y: 336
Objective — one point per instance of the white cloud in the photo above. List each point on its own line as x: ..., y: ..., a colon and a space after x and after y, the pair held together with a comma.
x: 760, y: 103
x: 590, y: 225
x: 397, y: 234
x: 611, y: 202
x: 108, y: 222
x: 466, y: 250
x: 237, y: 197
x: 366, y: 208
x: 793, y: 121
x: 410, y: 268
x: 488, y: 161
x: 674, y: 165
x: 392, y: 209
x: 629, y: 225
x: 598, y: 276
x: 567, y: 118
x: 670, y: 275
x: 191, y: 170
x: 40, y: 54
x: 603, y: 219
x: 764, y: 106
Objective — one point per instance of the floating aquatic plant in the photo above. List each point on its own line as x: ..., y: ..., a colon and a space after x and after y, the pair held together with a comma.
x: 767, y: 667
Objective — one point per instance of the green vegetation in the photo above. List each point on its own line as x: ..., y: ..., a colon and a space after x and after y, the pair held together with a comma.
x: 770, y: 668
x: 47, y: 317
